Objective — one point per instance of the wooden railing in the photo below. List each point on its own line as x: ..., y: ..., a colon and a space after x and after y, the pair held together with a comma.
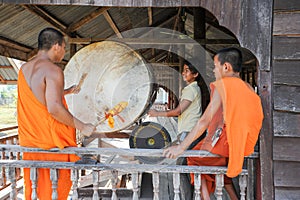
x: 133, y: 169
x: 10, y: 138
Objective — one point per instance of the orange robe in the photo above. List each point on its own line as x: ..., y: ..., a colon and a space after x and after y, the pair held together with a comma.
x: 37, y: 128
x: 242, y: 115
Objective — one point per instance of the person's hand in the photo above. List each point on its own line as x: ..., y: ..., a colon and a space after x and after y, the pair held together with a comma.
x: 75, y: 89
x: 173, y: 151
x: 87, y: 130
x: 152, y: 113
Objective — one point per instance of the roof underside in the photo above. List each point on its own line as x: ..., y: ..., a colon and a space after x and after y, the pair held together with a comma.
x: 20, y: 25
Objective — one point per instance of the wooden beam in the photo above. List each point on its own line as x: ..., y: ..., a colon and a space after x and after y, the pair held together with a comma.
x: 9, y: 82
x: 5, y: 66
x: 13, y: 53
x: 150, y: 16
x: 158, y: 24
x: 15, y: 45
x: 47, y: 17
x: 123, y: 3
x: 165, y: 64
x: 76, y: 25
x: 167, y: 41
x: 112, y: 24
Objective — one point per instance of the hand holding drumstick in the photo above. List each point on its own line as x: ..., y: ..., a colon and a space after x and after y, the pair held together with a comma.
x: 75, y: 89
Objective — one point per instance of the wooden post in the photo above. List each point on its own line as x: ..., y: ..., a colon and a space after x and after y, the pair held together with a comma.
x: 200, y: 52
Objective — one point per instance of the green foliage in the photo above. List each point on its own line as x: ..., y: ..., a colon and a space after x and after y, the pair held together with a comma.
x: 8, y: 116
x: 8, y: 106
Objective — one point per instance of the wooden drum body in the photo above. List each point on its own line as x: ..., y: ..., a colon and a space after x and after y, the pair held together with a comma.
x: 115, y: 73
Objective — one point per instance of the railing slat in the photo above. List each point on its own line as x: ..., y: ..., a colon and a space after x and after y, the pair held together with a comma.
x: 33, y: 178
x: 135, y: 185
x: 155, y: 183
x: 197, y: 186
x: 219, y: 186
x: 54, y: 180
x: 176, y: 184
x: 243, y: 186
x: 12, y: 178
x: 251, y: 179
x: 114, y: 181
x: 74, y: 179
x: 95, y: 184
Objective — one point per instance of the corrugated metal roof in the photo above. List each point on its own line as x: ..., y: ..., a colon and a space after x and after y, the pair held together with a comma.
x: 4, y: 61
x: 20, y: 25
x: 8, y: 74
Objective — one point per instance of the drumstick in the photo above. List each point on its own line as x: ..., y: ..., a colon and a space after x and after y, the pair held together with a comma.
x: 82, y: 78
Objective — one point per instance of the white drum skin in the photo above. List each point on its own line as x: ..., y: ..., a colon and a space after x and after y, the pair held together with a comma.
x: 115, y: 73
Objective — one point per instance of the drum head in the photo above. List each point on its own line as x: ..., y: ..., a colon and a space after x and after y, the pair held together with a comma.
x: 149, y: 135
x: 117, y: 80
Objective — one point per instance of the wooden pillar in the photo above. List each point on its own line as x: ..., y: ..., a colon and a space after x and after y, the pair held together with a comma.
x: 200, y: 53
x: 181, y: 50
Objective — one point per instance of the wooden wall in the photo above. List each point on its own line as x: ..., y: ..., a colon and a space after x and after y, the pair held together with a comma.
x: 286, y: 93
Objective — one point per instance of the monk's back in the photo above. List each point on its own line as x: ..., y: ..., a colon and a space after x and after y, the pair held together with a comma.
x: 35, y: 73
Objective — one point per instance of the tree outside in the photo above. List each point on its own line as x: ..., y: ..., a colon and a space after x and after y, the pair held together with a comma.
x: 8, y: 106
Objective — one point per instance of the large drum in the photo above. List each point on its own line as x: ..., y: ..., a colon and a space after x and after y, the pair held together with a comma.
x: 116, y: 84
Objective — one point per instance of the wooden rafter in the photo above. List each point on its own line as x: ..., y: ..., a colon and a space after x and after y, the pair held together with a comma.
x: 150, y: 16
x: 8, y: 51
x: 5, y: 67
x: 86, y: 19
x: 154, y: 41
x: 48, y: 18
x: 112, y: 24
x: 123, y: 3
x: 213, y: 22
x: 15, y: 45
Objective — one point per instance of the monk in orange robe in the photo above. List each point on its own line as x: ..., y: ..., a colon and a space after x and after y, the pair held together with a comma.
x: 233, y: 120
x: 43, y: 118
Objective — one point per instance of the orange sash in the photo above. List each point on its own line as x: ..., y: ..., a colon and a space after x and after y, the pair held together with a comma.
x: 243, y: 115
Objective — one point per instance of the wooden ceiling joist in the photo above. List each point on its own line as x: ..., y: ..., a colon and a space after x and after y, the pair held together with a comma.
x: 154, y: 41
x: 12, y: 44
x: 48, y: 18
x: 150, y: 16
x: 112, y: 24
x: 5, y: 67
x: 165, y: 64
x: 8, y: 82
x: 76, y: 25
x: 13, y: 53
